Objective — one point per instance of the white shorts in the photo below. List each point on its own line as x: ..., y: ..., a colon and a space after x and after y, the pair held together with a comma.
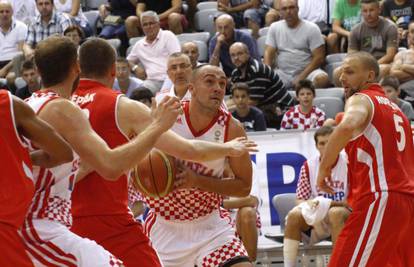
x: 207, y: 241
x: 50, y: 243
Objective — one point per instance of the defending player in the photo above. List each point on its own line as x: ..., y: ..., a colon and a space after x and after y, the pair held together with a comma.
x: 104, y: 216
x: 187, y: 227
x: 379, y: 143
x: 16, y: 178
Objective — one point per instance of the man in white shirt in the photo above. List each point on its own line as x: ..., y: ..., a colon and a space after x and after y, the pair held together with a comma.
x: 152, y: 52
x: 25, y: 10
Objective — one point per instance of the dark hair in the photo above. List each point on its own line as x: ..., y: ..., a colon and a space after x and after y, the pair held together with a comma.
x: 390, y: 81
x: 367, y: 60
x: 241, y: 87
x: 369, y: 1
x: 54, y: 57
x: 28, y: 65
x: 324, y: 130
x: 72, y: 28
x: 121, y: 60
x: 141, y: 93
x: 302, y: 84
x: 96, y: 57
x: 49, y: 0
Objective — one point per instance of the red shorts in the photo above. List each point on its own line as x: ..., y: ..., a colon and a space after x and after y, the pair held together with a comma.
x: 121, y: 235
x: 12, y: 248
x: 164, y: 23
x: 377, y: 233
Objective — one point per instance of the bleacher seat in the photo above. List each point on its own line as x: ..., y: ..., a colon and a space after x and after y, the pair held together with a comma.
x: 283, y: 203
x: 261, y: 43
x: 129, y: 50
x: 332, y: 58
x: 194, y: 36
x: 207, y: 5
x: 330, y: 69
x: 330, y: 105
x: 263, y: 31
x: 204, y: 20
x: 115, y: 43
x: 133, y: 40
x: 202, y: 50
x: 92, y: 16
x: 95, y: 4
x: 333, y: 91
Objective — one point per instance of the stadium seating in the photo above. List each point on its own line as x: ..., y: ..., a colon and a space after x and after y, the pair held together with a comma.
x: 194, y: 36
x: 261, y: 43
x: 93, y: 17
x: 132, y: 41
x: 204, y: 20
x: 94, y: 4
x: 115, y: 43
x: 333, y: 91
x: 330, y: 105
x: 202, y: 50
x: 283, y: 203
x: 332, y: 58
x: 330, y: 69
x: 207, y: 5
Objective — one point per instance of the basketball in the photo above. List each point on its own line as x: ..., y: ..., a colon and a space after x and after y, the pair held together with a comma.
x: 338, y: 117
x: 154, y: 175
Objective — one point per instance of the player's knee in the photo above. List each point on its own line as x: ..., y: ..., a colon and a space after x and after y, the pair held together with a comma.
x: 248, y: 215
x: 337, y: 215
x: 294, y: 219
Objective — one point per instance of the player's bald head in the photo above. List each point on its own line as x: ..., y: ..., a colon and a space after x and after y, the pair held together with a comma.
x: 367, y: 61
x: 206, y: 68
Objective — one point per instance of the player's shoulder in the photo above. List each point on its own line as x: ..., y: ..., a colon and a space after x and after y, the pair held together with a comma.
x: 235, y: 128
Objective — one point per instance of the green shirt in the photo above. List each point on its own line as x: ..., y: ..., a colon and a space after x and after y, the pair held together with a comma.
x: 349, y: 15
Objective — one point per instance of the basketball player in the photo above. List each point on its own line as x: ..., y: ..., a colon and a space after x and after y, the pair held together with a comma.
x: 104, y: 216
x: 378, y: 140
x: 45, y: 232
x: 187, y: 227
x: 16, y: 178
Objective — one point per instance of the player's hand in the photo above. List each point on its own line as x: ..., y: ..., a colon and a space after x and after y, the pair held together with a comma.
x: 324, y: 177
x: 185, y: 178
x: 241, y: 145
x: 165, y: 113
x: 313, y: 203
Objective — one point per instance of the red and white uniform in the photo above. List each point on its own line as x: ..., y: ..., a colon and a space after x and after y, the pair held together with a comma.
x: 104, y: 215
x: 46, y: 231
x: 16, y: 186
x: 294, y: 118
x: 187, y: 226
x: 381, y: 175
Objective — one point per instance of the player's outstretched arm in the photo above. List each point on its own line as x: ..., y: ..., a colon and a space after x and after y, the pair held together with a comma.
x: 237, y: 186
x: 54, y: 150
x: 357, y: 115
x: 69, y: 120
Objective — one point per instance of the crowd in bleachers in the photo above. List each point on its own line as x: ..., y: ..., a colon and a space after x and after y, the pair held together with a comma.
x: 275, y: 48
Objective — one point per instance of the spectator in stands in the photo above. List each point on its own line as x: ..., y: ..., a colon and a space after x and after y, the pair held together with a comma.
x: 152, y: 52
x: 319, y: 214
x: 403, y: 65
x: 346, y: 14
x: 12, y: 37
x: 304, y: 115
x: 250, y: 117
x: 267, y: 91
x: 124, y: 82
x: 113, y: 16
x: 297, y: 48
x: 24, y: 10
x: 273, y: 14
x: 73, y: 9
x: 179, y: 74
x: 392, y: 91
x: 401, y: 12
x: 32, y: 79
x: 74, y: 33
x: 169, y: 15
x: 226, y: 35
x: 315, y: 11
x: 191, y: 50
x: 250, y: 13
x: 47, y: 23
x: 143, y: 95
x: 245, y: 213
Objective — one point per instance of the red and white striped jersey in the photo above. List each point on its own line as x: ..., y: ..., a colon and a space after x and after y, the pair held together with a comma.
x: 381, y: 157
x: 16, y: 184
x: 307, y: 188
x: 53, y: 186
x: 190, y: 204
x: 294, y: 118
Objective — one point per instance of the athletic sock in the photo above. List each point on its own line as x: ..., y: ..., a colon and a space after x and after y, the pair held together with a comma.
x: 290, y: 252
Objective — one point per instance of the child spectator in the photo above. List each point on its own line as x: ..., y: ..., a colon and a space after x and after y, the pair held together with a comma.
x: 74, y: 33
x: 251, y: 117
x: 143, y: 95
x: 392, y: 91
x: 304, y: 115
x: 32, y: 79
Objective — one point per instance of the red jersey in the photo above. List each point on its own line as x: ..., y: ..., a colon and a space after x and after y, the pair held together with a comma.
x: 94, y: 195
x: 16, y: 179
x: 381, y: 157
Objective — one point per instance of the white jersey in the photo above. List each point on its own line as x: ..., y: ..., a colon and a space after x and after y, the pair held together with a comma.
x: 190, y: 204
x: 170, y: 92
x: 53, y: 186
x: 339, y: 176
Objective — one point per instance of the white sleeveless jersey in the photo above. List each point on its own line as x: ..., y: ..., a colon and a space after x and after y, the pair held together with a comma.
x: 339, y: 178
x: 188, y: 205
x: 53, y: 186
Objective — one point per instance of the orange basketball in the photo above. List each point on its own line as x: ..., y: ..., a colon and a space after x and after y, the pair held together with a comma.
x: 154, y: 175
x: 338, y: 117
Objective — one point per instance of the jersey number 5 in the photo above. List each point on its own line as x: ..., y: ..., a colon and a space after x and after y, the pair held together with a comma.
x: 399, y: 128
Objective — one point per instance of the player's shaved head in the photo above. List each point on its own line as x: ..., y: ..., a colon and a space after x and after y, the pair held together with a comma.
x: 203, y: 68
x: 366, y: 60
x: 96, y: 57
